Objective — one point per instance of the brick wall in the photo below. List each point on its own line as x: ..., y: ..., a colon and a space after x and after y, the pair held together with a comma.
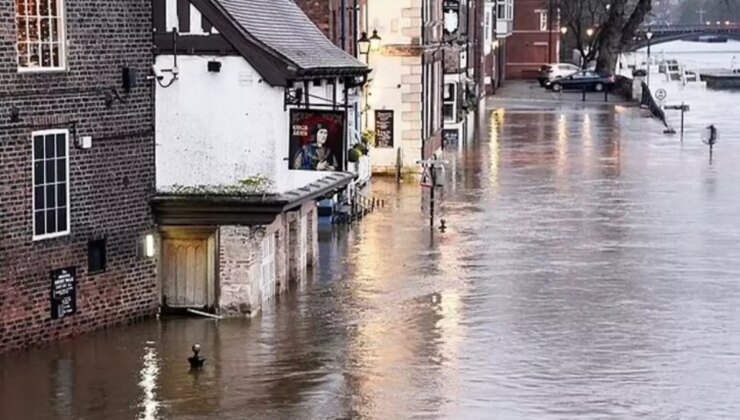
x: 109, y: 184
x: 527, y: 48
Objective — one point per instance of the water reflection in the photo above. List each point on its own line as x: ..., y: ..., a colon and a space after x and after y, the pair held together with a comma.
x: 589, y: 270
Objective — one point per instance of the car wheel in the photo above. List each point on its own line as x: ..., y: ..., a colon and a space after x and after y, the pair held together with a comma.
x: 557, y: 87
x: 599, y: 87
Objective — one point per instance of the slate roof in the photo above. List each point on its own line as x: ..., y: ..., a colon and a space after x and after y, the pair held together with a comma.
x: 283, y: 27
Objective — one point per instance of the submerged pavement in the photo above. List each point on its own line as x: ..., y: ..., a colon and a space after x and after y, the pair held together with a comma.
x: 590, y: 269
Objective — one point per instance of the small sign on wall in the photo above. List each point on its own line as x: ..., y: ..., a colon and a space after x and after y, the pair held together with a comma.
x: 450, y: 136
x: 63, y: 292
x: 383, y: 128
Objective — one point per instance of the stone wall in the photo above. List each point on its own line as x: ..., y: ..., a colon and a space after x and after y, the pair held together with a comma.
x: 110, y: 183
x: 240, y: 259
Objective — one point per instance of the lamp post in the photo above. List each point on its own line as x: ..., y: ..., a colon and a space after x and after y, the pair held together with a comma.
x: 649, y: 36
x: 563, y: 31
x: 366, y: 45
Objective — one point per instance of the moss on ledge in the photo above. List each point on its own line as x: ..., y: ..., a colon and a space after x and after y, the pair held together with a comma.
x: 256, y: 185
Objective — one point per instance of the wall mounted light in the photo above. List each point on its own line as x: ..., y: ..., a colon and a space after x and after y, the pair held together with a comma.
x: 149, y: 246
x: 363, y: 44
x: 375, y: 41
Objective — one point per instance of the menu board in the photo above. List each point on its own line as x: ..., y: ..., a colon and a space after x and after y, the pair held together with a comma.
x: 63, y: 292
x: 450, y: 136
x: 383, y: 128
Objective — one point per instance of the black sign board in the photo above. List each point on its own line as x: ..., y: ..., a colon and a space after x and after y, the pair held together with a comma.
x: 63, y: 292
x: 384, y: 128
x: 450, y: 136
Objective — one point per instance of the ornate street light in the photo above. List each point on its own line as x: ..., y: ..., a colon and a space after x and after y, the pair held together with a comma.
x: 375, y: 41
x: 590, y: 32
x: 649, y: 36
x: 363, y: 44
x: 564, y: 30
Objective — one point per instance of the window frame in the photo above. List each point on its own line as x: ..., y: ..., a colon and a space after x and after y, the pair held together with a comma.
x: 62, y: 30
x: 66, y: 232
x: 452, y: 101
x: 542, y: 19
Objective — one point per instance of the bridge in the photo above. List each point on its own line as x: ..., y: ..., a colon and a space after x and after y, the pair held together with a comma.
x: 668, y: 33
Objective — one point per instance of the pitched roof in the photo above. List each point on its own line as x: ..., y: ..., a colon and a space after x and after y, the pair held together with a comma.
x: 278, y: 28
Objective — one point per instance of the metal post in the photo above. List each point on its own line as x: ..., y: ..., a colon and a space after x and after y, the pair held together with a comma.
x: 584, y: 94
x: 606, y: 94
x: 683, y: 110
x: 431, y: 196
x: 648, y: 62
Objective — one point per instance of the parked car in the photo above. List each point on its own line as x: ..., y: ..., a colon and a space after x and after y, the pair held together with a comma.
x: 585, y: 79
x: 551, y: 72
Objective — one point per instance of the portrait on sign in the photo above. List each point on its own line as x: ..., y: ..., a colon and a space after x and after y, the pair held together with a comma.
x: 316, y: 140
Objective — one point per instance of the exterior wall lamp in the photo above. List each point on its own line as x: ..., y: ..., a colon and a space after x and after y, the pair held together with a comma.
x: 375, y: 41
x: 363, y: 44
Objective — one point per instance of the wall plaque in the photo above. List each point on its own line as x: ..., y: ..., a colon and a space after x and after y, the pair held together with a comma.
x: 63, y: 292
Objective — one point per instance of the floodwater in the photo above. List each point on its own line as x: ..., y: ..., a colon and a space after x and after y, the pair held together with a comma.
x: 590, y: 269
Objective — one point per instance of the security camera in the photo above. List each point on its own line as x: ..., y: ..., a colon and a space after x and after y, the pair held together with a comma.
x: 157, y: 74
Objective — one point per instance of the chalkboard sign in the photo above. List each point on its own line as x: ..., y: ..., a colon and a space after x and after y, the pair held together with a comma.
x: 63, y: 292
x: 450, y: 136
x: 384, y: 128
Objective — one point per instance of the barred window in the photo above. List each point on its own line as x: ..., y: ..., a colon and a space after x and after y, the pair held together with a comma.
x: 40, y: 27
x: 50, y: 183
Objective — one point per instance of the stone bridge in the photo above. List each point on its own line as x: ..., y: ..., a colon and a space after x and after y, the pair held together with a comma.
x: 668, y: 33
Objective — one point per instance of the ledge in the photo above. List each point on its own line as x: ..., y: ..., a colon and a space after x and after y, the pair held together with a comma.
x: 240, y: 208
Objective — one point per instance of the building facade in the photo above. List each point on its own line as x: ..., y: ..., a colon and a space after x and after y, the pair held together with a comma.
x: 535, y: 39
x: 251, y: 130
x: 77, y: 168
x: 403, y: 98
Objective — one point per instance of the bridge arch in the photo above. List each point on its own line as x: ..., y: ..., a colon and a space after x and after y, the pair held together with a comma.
x: 662, y: 36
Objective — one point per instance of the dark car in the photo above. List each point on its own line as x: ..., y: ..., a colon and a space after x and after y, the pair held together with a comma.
x: 586, y: 79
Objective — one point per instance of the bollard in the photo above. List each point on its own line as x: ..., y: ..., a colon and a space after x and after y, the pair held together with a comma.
x: 584, y: 95
x: 196, y: 361
x: 606, y: 94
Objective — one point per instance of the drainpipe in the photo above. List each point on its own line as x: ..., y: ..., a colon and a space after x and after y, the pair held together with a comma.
x: 343, y: 24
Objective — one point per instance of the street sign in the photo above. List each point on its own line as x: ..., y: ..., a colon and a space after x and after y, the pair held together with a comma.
x: 661, y: 94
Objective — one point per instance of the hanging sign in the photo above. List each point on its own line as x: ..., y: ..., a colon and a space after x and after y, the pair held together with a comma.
x: 63, y: 292
x: 451, y: 10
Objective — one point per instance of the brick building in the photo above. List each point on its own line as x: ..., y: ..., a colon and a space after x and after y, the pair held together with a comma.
x: 535, y: 39
x: 342, y: 29
x: 76, y: 167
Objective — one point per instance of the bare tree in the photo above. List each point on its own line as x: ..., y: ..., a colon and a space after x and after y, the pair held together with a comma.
x: 603, y: 29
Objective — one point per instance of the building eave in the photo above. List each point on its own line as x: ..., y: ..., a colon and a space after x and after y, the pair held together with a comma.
x: 174, y: 209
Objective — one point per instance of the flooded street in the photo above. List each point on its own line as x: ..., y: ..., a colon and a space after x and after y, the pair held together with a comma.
x: 590, y: 269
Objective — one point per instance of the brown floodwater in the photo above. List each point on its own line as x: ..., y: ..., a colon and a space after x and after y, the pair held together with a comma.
x: 590, y: 269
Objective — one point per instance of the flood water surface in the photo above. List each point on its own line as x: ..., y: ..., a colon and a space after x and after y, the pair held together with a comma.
x: 590, y: 269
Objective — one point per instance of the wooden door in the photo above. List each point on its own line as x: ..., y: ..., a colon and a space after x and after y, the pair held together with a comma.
x: 187, y: 270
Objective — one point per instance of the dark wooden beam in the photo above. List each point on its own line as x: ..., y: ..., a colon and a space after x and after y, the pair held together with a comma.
x: 159, y: 15
x: 183, y: 16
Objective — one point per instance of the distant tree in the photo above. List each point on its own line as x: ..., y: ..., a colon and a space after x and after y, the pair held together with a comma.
x: 613, y: 25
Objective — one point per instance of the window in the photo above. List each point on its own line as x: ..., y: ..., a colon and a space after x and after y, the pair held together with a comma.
x: 449, y: 98
x: 50, y: 183
x: 40, y: 34
x: 268, y: 267
x: 96, y: 256
x: 501, y: 9
x: 543, y: 19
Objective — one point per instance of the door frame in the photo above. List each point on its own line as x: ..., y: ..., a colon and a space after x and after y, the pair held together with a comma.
x: 210, y: 233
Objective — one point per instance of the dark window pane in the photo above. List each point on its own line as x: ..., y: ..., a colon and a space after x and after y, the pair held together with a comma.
x: 61, y: 195
x: 51, y: 221
x: 38, y: 147
x: 62, y: 219
x: 51, y: 171
x: 51, y: 192
x: 61, y: 149
x: 96, y: 256
x: 38, y: 172
x: 38, y: 196
x: 38, y: 227
x: 49, y: 146
x: 61, y: 170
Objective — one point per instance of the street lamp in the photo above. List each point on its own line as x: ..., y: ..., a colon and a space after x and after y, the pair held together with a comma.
x: 363, y: 44
x: 649, y: 36
x: 590, y: 32
x: 375, y: 41
x: 564, y: 30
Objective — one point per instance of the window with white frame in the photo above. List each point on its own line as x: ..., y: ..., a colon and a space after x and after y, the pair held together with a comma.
x: 449, y: 102
x: 268, y: 267
x: 501, y: 9
x: 509, y: 9
x: 543, y: 19
x: 40, y: 34
x: 50, y: 183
